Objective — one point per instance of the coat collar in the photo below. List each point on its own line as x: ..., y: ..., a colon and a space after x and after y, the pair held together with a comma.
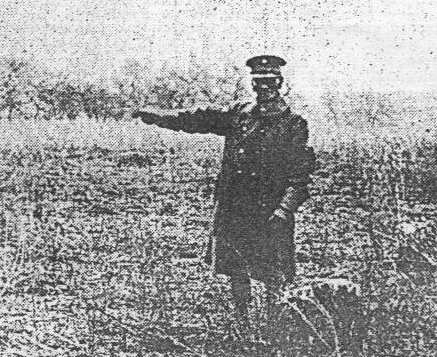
x: 269, y: 109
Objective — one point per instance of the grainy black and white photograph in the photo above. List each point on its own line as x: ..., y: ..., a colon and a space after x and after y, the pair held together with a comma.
x: 196, y: 178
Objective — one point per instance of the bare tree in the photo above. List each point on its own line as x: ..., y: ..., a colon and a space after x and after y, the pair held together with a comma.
x: 12, y: 91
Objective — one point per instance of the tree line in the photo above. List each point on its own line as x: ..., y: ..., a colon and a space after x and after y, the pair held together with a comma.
x: 31, y: 93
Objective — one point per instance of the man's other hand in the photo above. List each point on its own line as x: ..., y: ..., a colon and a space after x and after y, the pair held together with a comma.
x: 279, y: 213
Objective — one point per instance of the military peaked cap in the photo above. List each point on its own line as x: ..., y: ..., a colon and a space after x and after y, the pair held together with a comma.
x: 266, y: 64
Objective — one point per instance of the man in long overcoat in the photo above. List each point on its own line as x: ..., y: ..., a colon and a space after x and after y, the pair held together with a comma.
x: 265, y: 172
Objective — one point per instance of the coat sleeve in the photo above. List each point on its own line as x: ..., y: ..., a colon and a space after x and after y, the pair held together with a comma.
x: 302, y: 165
x: 201, y: 121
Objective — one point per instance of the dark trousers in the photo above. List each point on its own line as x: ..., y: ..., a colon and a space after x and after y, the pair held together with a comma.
x: 272, y: 263
x: 252, y: 246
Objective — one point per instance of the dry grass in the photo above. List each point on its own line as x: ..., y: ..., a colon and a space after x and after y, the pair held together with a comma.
x: 94, y: 216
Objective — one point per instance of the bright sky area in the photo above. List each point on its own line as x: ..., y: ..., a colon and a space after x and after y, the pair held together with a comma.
x: 379, y: 44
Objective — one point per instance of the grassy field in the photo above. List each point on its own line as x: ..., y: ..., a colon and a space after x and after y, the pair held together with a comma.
x: 97, y: 221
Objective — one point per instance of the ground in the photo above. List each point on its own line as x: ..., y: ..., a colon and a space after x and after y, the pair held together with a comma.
x: 101, y: 250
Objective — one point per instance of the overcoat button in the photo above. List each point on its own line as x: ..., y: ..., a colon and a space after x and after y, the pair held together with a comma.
x: 241, y: 151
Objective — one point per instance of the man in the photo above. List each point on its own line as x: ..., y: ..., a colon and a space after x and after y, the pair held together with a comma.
x: 264, y: 178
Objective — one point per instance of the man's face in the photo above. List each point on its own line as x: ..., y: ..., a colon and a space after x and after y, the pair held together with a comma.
x: 266, y: 88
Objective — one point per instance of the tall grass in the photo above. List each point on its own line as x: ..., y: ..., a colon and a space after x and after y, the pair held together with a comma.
x: 94, y: 215
x: 95, y: 212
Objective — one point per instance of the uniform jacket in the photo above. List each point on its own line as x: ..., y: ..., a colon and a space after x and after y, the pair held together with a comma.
x: 266, y: 165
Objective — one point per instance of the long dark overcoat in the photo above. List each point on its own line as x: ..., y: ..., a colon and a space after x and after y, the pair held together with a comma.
x: 266, y: 165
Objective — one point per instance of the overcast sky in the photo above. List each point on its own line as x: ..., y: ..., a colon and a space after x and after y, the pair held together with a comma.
x: 381, y: 44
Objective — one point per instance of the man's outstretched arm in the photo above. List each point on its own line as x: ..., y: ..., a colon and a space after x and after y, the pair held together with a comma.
x: 201, y: 121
